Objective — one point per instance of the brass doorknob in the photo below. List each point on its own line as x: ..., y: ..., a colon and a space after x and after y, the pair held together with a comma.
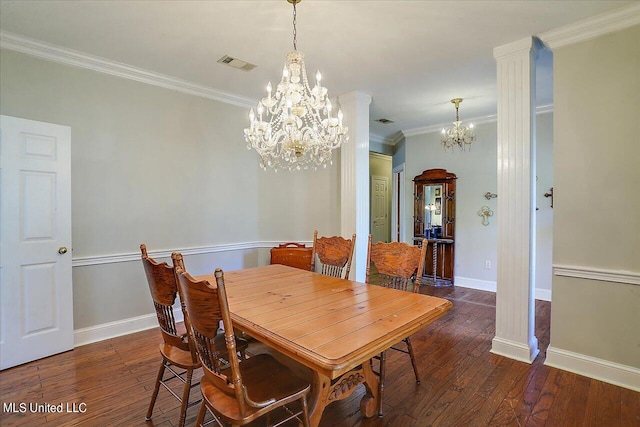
x: 62, y: 250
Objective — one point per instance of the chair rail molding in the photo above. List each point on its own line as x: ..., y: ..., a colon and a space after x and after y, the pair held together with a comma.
x: 166, y: 253
x: 604, y: 275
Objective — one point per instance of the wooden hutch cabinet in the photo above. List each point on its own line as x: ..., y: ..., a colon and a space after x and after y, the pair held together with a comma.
x: 434, y: 219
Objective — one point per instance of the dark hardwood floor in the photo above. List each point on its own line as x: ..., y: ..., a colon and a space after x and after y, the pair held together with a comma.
x: 463, y: 384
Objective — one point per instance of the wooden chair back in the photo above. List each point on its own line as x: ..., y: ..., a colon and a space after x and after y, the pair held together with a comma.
x: 335, y: 254
x: 162, y: 284
x: 178, y: 263
x: 398, y: 264
x: 207, y: 305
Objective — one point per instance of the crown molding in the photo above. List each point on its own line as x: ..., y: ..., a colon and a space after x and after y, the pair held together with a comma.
x: 391, y: 140
x: 590, y: 28
x: 374, y: 137
x: 396, y: 138
x: 74, y: 58
x: 437, y: 128
x: 540, y: 109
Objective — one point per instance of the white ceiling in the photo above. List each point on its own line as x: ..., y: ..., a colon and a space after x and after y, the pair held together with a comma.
x: 412, y: 57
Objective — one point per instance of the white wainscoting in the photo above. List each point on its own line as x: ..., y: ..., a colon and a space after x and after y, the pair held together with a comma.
x: 574, y: 362
x: 121, y: 327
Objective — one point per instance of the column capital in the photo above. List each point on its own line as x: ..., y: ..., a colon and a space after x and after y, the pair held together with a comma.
x: 355, y: 97
x: 523, y: 46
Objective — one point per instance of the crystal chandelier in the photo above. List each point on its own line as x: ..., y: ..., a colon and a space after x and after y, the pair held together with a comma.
x: 458, y: 135
x: 295, y: 128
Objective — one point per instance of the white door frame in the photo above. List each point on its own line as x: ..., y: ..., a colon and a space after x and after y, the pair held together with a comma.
x: 398, y: 198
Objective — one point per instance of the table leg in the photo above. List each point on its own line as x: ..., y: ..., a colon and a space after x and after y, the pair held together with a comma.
x: 318, y: 397
x: 369, y: 403
x: 324, y: 391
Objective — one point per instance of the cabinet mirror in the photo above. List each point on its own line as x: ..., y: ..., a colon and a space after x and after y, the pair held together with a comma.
x: 434, y: 219
x: 433, y: 210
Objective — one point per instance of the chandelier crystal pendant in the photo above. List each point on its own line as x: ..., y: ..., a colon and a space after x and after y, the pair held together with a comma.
x: 458, y: 135
x: 295, y: 127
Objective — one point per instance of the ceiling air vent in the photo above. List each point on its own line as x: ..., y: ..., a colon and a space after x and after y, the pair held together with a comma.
x: 236, y: 63
x: 384, y: 121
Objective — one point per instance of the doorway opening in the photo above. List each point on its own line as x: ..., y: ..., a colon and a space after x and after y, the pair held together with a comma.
x: 380, y: 180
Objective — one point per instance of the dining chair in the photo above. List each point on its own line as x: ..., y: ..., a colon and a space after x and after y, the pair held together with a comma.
x: 234, y: 392
x: 334, y: 253
x: 177, y: 349
x: 241, y: 343
x: 397, y: 265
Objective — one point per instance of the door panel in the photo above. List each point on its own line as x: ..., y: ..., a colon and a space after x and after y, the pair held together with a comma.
x: 36, y: 301
x: 380, y: 225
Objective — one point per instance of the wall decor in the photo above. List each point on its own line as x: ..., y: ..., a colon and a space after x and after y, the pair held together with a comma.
x: 485, y: 213
x: 489, y: 195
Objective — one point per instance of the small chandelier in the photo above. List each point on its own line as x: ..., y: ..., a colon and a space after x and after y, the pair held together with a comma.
x: 458, y: 135
x: 295, y: 128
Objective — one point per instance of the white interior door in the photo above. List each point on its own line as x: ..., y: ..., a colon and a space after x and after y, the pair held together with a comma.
x: 380, y: 209
x: 36, y: 301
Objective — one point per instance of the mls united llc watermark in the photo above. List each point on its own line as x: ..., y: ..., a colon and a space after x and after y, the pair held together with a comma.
x: 48, y: 408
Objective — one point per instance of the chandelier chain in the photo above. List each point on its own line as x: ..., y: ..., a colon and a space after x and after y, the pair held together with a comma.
x: 295, y: 33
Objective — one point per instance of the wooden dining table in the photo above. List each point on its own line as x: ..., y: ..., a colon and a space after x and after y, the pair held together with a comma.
x: 332, y: 326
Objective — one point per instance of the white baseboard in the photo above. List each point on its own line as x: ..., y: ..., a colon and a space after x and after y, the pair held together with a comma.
x: 486, y: 285
x: 592, y: 367
x: 515, y: 350
x: 543, y: 294
x: 481, y: 285
x: 118, y: 328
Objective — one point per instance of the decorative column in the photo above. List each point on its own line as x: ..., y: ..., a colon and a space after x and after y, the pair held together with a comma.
x: 515, y: 302
x: 354, y: 178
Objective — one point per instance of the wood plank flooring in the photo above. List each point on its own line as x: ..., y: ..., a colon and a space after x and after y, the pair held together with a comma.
x: 462, y: 383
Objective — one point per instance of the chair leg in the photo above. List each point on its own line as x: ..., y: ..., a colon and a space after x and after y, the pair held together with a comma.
x: 383, y: 368
x: 201, y: 413
x: 413, y: 359
x: 185, y: 398
x: 305, y: 412
x: 156, y: 389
